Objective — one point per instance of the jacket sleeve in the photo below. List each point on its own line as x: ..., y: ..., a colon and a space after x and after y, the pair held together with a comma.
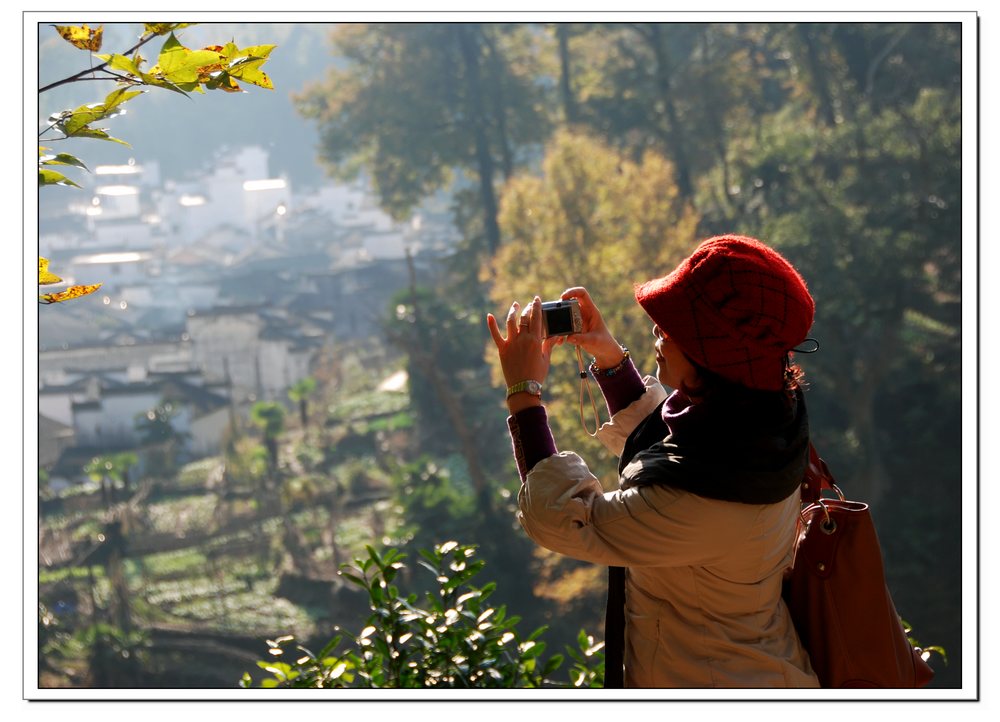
x: 563, y: 507
x: 615, y: 432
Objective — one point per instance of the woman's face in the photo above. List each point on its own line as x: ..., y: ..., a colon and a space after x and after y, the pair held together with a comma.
x: 672, y: 366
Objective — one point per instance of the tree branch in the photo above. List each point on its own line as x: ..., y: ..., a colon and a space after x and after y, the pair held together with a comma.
x: 880, y: 58
x: 81, y: 75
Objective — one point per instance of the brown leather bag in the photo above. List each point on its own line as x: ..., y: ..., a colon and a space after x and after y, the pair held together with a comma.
x: 838, y: 598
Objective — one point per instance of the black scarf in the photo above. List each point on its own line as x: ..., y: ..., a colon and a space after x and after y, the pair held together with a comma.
x: 752, y: 449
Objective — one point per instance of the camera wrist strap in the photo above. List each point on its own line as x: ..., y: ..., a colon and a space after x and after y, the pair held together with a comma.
x: 585, y: 381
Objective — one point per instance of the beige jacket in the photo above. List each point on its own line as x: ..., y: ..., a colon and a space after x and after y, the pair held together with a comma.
x: 703, y: 578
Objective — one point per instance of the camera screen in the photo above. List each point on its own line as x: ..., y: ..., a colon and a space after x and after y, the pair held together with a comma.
x: 559, y: 321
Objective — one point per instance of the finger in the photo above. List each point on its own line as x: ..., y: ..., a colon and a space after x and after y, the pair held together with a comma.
x: 587, y: 305
x: 550, y: 343
x: 577, y: 292
x: 535, y: 317
x: 512, y: 315
x: 491, y: 324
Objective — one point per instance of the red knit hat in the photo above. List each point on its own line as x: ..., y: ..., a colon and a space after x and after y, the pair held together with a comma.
x: 734, y: 307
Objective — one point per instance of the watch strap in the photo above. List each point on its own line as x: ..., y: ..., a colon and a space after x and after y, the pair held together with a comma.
x: 529, y: 386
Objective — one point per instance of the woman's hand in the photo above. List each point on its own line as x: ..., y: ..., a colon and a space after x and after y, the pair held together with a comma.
x: 524, y: 354
x: 595, y: 338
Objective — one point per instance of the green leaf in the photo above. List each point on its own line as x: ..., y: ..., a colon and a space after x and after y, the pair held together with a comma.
x: 281, y: 670
x: 159, y: 82
x: 118, y: 96
x: 254, y: 51
x: 54, y: 178
x: 530, y: 649
x: 77, y: 119
x: 329, y: 646
x: 181, y: 65
x: 356, y: 579
x: 552, y: 665
x: 122, y: 63
x: 63, y: 159
x: 433, y: 570
x: 99, y: 134
x: 74, y: 121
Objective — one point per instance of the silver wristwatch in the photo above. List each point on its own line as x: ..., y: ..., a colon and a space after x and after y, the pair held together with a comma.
x: 532, y: 387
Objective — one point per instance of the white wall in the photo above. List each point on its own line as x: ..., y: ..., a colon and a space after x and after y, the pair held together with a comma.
x: 114, y: 420
x: 218, y: 338
x: 207, y: 432
x: 57, y: 406
x: 280, y: 367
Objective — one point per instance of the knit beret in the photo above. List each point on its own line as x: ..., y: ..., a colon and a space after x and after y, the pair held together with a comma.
x: 735, y: 307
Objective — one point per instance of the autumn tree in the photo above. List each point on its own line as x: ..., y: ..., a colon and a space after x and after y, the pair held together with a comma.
x: 676, y: 88
x: 597, y: 219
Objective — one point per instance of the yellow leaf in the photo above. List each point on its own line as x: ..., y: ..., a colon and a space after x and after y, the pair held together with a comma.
x: 44, y: 277
x: 69, y: 294
x: 82, y: 37
x: 164, y: 28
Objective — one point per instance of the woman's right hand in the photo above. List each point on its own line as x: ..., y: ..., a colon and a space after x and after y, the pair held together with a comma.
x: 595, y: 338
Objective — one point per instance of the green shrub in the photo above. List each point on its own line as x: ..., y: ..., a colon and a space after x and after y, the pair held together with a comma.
x: 456, y: 639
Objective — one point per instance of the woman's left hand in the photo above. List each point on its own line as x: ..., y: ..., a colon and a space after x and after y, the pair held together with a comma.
x: 524, y: 354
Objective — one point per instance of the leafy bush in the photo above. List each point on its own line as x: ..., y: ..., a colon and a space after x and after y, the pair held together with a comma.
x: 433, y: 503
x: 455, y: 640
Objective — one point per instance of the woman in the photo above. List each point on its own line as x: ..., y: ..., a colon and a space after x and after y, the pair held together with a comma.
x: 705, y: 517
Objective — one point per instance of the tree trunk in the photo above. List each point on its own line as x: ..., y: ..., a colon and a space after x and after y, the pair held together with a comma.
x: 423, y: 355
x: 818, y: 74
x: 271, y: 444
x: 566, y: 75
x: 858, y: 388
x: 476, y: 112
x: 673, y: 135
x: 115, y: 570
x: 496, y: 76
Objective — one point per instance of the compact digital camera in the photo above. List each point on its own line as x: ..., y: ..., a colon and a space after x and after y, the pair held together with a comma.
x: 561, y: 318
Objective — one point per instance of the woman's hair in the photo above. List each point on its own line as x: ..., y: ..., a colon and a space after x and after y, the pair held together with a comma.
x: 711, y: 386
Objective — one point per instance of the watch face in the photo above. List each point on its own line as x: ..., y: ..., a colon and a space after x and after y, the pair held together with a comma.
x: 534, y: 388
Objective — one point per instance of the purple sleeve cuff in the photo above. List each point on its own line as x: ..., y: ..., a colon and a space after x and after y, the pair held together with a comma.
x: 621, y: 389
x: 531, y: 438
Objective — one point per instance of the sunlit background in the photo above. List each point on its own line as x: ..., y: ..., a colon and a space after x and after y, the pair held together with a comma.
x: 287, y: 360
